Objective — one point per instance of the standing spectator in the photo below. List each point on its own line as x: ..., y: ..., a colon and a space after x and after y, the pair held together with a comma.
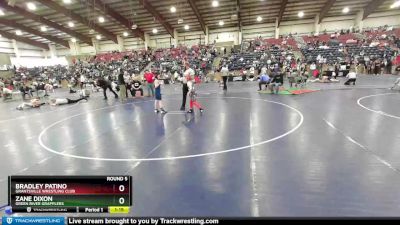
x: 149, y: 77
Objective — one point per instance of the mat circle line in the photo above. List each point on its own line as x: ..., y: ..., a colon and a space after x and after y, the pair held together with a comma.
x: 376, y: 111
x: 40, y: 138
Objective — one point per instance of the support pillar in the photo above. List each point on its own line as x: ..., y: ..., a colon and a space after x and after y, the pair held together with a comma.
x: 206, y: 36
x: 121, y: 46
x: 175, y: 40
x: 96, y: 45
x: 52, y: 51
x: 16, y: 50
x: 276, y: 29
x: 146, y: 41
x: 74, y: 48
x: 359, y: 20
x: 317, y: 25
x: 240, y: 37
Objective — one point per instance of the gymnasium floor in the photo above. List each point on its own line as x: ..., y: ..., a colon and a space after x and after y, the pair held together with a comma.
x: 248, y: 154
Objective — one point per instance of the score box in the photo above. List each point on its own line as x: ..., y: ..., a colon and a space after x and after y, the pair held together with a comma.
x: 68, y: 193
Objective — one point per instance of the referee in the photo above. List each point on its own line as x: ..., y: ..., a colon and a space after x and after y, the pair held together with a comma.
x: 188, y: 72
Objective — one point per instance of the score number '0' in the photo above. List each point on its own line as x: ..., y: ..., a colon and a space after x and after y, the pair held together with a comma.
x: 121, y: 189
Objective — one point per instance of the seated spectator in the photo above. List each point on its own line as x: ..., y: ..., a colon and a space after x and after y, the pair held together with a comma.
x: 136, y: 86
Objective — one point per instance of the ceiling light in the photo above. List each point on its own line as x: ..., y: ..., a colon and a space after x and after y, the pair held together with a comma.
x: 187, y: 27
x: 73, y: 40
x: 221, y: 23
x: 125, y: 34
x: 395, y: 4
x: 98, y: 37
x: 180, y: 21
x: 43, y: 28
x: 91, y: 31
x: 155, y: 31
x: 259, y: 18
x: 18, y: 32
x: 346, y: 10
x: 71, y: 24
x: 134, y: 26
x: 173, y: 9
x: 101, y: 19
x: 300, y: 14
x: 1, y: 13
x: 31, y: 6
x: 215, y: 3
x: 67, y: 1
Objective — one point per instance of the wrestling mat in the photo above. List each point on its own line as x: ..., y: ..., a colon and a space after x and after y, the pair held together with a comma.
x: 290, y: 91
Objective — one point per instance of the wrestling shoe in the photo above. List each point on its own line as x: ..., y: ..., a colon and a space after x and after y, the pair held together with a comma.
x: 156, y: 111
x: 163, y: 111
x: 201, y: 110
x: 190, y: 111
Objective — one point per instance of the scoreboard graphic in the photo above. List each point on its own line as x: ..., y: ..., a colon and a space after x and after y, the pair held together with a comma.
x: 62, y: 194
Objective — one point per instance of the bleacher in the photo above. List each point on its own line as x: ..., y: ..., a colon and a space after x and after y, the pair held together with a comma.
x: 171, y: 60
x: 371, y: 52
x: 243, y: 60
x: 331, y: 54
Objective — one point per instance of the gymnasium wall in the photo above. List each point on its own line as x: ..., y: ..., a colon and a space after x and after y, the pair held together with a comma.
x: 222, y: 36
x: 266, y: 30
x: 301, y: 27
x: 333, y: 24
x: 6, y: 46
x: 191, y: 38
x: 391, y: 18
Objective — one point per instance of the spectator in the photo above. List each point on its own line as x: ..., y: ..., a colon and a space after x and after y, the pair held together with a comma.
x: 149, y: 77
x: 136, y: 86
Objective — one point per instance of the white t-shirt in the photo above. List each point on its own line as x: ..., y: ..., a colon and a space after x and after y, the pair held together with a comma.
x: 189, y: 71
x: 352, y: 75
x: 224, y: 71
x: 7, y: 91
x: 61, y: 101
